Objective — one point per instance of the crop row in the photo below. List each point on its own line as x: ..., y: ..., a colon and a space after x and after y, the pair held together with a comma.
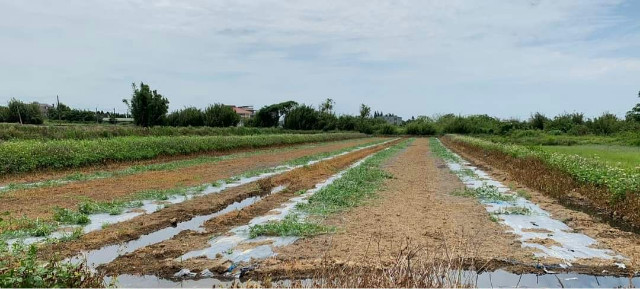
x: 619, y: 181
x: 30, y: 155
x: 88, y: 131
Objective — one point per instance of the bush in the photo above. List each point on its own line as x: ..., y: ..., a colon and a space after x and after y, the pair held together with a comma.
x: 606, y: 124
x: 302, y: 117
x: 220, y: 115
x: 20, y: 268
x: 4, y: 114
x: 387, y: 129
x: 27, y: 113
x: 421, y: 128
x: 148, y: 107
x: 189, y: 116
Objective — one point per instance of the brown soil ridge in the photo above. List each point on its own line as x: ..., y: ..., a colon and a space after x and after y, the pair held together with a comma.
x: 415, y: 205
x: 132, y: 229
x: 536, y: 180
x: 39, y: 202
x: 159, y: 259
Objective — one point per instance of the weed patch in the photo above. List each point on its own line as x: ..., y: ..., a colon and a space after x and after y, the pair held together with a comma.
x: 292, y: 225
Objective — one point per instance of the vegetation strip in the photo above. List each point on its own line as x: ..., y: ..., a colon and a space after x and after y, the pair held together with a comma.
x: 354, y: 187
x: 619, y: 181
x: 24, y: 227
x: 167, y: 166
x: 24, y: 156
x: 620, y: 210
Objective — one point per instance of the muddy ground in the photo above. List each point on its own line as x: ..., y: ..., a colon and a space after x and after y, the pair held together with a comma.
x: 414, y: 207
x: 414, y: 210
x: 295, y: 180
x: 39, y: 202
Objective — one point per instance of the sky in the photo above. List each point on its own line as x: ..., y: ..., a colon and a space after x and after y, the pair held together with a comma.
x: 502, y: 58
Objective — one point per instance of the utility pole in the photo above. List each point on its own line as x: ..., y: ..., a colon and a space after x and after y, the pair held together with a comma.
x: 58, y: 106
x: 19, y: 116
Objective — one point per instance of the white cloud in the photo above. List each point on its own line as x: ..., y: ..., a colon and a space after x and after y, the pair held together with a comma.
x: 407, y: 57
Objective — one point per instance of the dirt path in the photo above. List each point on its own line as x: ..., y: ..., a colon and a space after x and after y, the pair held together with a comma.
x: 39, y: 202
x: 415, y: 206
x: 608, y: 237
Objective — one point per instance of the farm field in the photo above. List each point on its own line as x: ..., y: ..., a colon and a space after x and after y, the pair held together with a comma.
x: 328, y: 210
x: 624, y: 156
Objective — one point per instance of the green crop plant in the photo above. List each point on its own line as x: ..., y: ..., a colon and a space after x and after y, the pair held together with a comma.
x: 30, y: 155
x: 618, y: 180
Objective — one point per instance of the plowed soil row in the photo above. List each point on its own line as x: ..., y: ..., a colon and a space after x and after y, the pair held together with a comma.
x: 39, y: 202
x: 208, y: 204
x: 415, y: 207
x: 506, y: 170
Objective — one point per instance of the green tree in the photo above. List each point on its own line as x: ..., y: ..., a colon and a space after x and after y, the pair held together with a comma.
x: 538, y: 121
x: 189, y: 116
x: 4, y: 114
x: 269, y: 116
x: 365, y: 111
x: 302, y: 117
x: 220, y: 115
x: 327, y: 106
x: 147, y: 107
x: 21, y: 112
x: 634, y: 113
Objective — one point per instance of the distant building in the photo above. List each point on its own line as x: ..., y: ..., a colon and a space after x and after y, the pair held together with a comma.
x: 244, y: 111
x: 44, y: 108
x: 391, y: 118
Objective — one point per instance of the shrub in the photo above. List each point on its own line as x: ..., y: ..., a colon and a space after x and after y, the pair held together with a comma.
x: 25, y: 113
x: 387, y: 129
x: 421, y: 128
x: 189, y: 116
x: 220, y: 115
x: 302, y: 117
x: 4, y: 114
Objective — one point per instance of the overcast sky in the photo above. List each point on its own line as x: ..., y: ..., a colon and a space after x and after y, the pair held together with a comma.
x: 503, y: 58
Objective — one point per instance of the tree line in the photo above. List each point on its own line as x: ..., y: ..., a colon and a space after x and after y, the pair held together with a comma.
x: 149, y: 108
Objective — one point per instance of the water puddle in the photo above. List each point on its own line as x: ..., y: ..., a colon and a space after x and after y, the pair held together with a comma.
x: 107, y: 254
x: 497, y: 279
x: 531, y: 223
x: 98, y: 221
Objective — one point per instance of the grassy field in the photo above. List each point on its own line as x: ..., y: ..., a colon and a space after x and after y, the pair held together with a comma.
x: 624, y: 156
x: 536, y: 137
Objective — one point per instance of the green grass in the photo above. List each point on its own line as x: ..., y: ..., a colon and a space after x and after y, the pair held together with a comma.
x: 24, y: 227
x: 25, y: 156
x: 485, y: 193
x: 292, y: 225
x: 616, y: 155
x: 66, y: 216
x: 517, y: 210
x: 354, y: 187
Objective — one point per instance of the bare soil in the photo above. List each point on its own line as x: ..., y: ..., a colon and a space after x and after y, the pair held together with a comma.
x: 156, y: 255
x: 414, y: 207
x: 39, y: 202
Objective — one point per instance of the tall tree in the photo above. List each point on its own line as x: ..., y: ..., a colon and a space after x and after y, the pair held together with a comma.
x: 327, y: 106
x: 220, y: 115
x: 634, y: 113
x: 147, y: 107
x: 365, y: 111
x: 269, y: 116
